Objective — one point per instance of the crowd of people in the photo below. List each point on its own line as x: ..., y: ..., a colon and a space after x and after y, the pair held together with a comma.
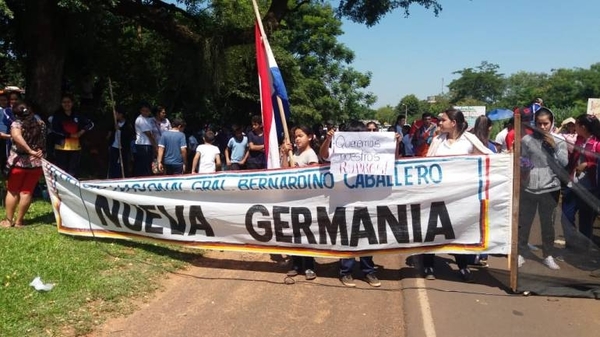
x: 555, y: 161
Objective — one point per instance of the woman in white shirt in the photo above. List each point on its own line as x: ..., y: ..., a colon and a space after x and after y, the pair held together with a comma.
x: 453, y: 141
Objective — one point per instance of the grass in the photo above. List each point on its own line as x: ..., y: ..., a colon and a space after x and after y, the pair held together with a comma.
x: 94, y: 278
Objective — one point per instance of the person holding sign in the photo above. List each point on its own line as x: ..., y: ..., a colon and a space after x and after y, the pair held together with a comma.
x: 453, y: 141
x: 303, y: 155
x: 366, y: 262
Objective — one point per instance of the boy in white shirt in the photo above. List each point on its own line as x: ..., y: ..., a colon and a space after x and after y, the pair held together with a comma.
x: 208, y: 156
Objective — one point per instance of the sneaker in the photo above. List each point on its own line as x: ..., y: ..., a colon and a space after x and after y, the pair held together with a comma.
x: 429, y: 274
x: 466, y: 275
x: 348, y: 281
x: 372, y: 280
x: 549, y: 262
x: 292, y: 273
x: 560, y: 258
x: 520, y: 261
x: 310, y: 274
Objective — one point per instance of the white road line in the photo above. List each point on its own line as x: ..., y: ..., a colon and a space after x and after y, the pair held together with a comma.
x: 428, y: 325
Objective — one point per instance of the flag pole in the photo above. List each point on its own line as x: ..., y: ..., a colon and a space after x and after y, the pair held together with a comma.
x: 279, y: 101
x: 118, y: 139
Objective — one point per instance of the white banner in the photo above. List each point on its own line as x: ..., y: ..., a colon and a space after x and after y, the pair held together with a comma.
x: 450, y: 205
x: 370, y: 153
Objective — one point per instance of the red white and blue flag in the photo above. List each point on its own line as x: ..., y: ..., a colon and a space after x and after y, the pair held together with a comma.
x: 271, y: 87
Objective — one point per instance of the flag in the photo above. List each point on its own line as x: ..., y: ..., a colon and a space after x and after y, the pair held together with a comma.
x: 271, y: 86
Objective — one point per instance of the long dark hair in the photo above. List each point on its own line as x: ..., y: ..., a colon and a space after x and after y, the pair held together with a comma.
x: 457, y: 116
x: 309, y: 132
x: 590, y: 123
x: 542, y: 112
x: 481, y: 130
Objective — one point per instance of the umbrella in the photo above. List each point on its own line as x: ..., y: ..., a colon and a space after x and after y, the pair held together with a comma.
x: 499, y: 114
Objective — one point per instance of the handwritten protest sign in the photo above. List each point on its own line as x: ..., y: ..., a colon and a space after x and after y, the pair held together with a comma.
x: 593, y: 107
x: 363, y: 153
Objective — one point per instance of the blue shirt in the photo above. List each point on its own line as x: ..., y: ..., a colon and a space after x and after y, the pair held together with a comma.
x: 172, y: 142
x: 237, y: 149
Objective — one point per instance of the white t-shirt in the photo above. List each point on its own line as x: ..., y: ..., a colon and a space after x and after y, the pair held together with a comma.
x: 208, y: 153
x: 306, y: 158
x: 143, y: 124
x: 501, y: 139
x: 461, y: 146
x: 117, y: 140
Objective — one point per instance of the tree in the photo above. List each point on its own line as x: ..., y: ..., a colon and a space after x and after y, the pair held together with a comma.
x: 408, y: 105
x: 45, y: 29
x: 386, y: 114
x: 483, y: 84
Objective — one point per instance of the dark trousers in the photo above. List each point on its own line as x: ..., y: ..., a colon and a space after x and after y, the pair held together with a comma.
x: 68, y: 161
x: 366, y: 265
x: 462, y: 260
x: 114, y: 163
x: 171, y: 169
x: 545, y: 205
x: 587, y: 215
x: 236, y: 167
x: 300, y: 263
x: 567, y: 220
x: 255, y: 166
x: 142, y: 160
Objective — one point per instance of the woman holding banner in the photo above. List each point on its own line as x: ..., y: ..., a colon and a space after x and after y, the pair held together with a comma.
x: 453, y: 141
x: 24, y: 163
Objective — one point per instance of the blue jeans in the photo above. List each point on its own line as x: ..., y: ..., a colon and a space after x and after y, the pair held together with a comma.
x: 173, y: 169
x: 366, y: 265
x: 142, y: 160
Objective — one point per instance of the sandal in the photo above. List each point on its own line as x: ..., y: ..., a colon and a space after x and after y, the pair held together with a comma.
x: 6, y: 223
x: 18, y: 225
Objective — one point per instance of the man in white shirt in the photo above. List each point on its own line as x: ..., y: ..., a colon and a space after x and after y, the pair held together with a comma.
x: 146, y: 145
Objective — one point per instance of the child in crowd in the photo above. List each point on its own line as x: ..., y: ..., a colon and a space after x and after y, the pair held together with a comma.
x: 236, y: 152
x: 303, y: 155
x: 256, y: 144
x: 208, y: 156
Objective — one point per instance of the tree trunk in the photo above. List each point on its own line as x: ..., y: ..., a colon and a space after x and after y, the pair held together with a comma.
x: 43, y: 31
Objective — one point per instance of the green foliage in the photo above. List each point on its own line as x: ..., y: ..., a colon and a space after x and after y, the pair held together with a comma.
x: 386, y: 114
x: 370, y: 12
x: 93, y: 277
x: 409, y: 105
x: 482, y: 84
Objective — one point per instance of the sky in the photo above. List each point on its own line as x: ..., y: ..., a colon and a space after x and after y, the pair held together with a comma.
x: 417, y: 55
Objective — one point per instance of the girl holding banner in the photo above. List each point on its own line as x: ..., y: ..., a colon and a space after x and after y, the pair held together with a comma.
x: 303, y: 155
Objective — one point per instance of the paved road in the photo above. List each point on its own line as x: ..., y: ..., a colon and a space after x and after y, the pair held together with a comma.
x: 241, y: 294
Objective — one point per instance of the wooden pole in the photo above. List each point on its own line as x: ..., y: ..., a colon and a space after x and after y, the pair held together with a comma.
x: 118, y: 139
x: 513, y: 263
x: 279, y: 101
x: 286, y: 133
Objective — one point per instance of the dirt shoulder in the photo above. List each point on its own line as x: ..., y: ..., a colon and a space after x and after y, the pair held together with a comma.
x: 243, y: 294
